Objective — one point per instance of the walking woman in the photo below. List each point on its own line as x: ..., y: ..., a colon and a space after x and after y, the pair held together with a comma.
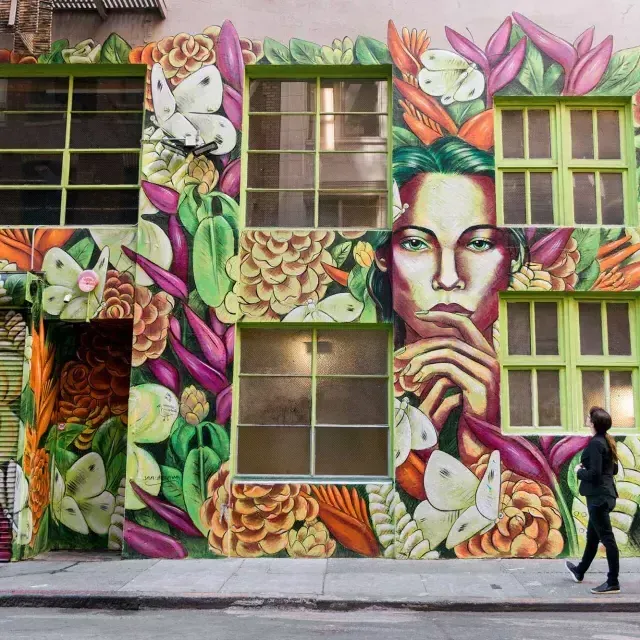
x: 597, y: 468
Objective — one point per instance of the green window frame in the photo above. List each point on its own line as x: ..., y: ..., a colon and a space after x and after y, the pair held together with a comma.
x: 377, y: 435
x: 594, y: 347
x: 65, y: 196
x: 548, y: 151
x: 377, y: 195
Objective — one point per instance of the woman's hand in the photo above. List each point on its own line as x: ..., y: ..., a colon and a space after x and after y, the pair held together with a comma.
x: 462, y: 358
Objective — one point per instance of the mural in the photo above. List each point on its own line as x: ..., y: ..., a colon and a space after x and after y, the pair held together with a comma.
x: 462, y: 488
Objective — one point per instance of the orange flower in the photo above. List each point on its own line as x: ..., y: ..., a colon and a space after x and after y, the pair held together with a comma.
x: 13, y: 57
x: 406, y: 51
x: 39, y: 482
x: 563, y: 270
x: 17, y: 246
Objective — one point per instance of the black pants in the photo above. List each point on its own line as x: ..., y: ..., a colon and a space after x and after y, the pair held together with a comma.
x: 599, y: 530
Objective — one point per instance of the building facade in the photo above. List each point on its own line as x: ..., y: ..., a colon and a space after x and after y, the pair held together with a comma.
x: 320, y: 287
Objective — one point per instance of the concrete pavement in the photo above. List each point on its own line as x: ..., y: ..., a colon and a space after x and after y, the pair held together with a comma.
x: 95, y: 581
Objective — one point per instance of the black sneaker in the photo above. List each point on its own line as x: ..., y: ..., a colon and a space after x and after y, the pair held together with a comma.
x: 573, y: 570
x: 606, y: 588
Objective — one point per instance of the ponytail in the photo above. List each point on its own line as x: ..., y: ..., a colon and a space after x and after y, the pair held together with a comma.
x: 612, y: 445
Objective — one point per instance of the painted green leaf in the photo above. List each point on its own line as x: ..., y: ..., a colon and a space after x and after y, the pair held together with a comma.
x: 82, y: 251
x: 622, y: 77
x: 15, y: 286
x: 116, y: 471
x: 115, y: 50
x: 462, y: 111
x: 217, y: 438
x: 341, y: 252
x: 54, y: 55
x: 150, y: 520
x: 531, y: 74
x: 371, y: 51
x: 189, y: 202
x: 357, y: 282
x: 588, y: 244
x: 303, y: 51
x: 64, y: 460
x: 172, y: 486
x: 588, y: 276
x: 201, y: 464
x: 58, y: 439
x: 403, y: 137
x: 110, y: 439
x: 182, y: 438
x: 213, y: 245
x: 516, y: 35
x: 550, y: 79
x: 610, y: 235
x: 572, y: 479
x: 369, y: 313
x: 228, y: 208
x: 276, y: 53
x: 196, y: 303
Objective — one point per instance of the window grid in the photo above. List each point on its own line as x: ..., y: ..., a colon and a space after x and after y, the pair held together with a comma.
x: 64, y: 186
x: 562, y: 165
x: 238, y: 375
x: 347, y: 75
x: 570, y: 362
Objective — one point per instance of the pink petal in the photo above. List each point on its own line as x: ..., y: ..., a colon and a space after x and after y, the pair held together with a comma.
x: 499, y: 40
x: 547, y: 250
x: 229, y: 55
x: 216, y: 325
x: 584, y: 41
x: 564, y: 450
x: 223, y: 406
x: 166, y: 281
x: 180, y: 265
x: 229, y: 343
x: 232, y: 104
x: 590, y: 69
x: 506, y: 71
x: 165, y: 373
x: 230, y: 179
x: 162, y: 198
x: 212, y: 346
x: 467, y: 49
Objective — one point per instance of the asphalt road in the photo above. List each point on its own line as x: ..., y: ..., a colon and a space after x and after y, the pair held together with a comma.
x: 241, y: 624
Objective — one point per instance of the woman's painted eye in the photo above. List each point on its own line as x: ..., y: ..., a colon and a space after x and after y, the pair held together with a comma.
x: 480, y: 245
x: 415, y: 244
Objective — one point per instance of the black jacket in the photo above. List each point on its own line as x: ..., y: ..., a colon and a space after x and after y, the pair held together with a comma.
x: 596, y: 479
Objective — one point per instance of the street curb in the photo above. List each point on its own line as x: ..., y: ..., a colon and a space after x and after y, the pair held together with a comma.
x: 137, y: 602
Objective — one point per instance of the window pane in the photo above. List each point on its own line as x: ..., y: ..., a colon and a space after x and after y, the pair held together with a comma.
x: 612, y: 198
x: 618, y: 329
x: 276, y: 95
x: 280, y: 171
x: 541, y: 185
x: 520, y: 414
x: 275, y: 401
x: 549, y: 414
x: 108, y: 94
x: 34, y: 94
x: 514, y: 198
x: 106, y: 130
x: 584, y: 198
x: 519, y: 328
x: 357, y: 210
x: 581, y: 134
x: 353, y: 95
x: 622, y: 407
x: 608, y: 135
x: 592, y: 390
x: 353, y: 133
x: 352, y: 401
x: 31, y: 206
x: 590, y: 329
x: 103, y: 168
x: 352, y: 351
x: 353, y: 171
x: 546, y: 328
x: 32, y: 130
x: 282, y: 132
x: 512, y: 134
x: 539, y: 133
x: 343, y: 451
x: 276, y: 351
x: 22, y: 168
x: 102, y: 206
x: 280, y: 208
x: 274, y: 450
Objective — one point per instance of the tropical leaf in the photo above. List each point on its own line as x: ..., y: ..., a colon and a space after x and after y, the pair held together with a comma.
x: 462, y: 111
x: 588, y: 244
x: 357, y: 282
x: 172, y: 486
x: 150, y: 520
x: 54, y: 55
x: 341, y: 252
x: 403, y: 137
x: 276, y: 53
x: 588, y: 276
x: 550, y: 79
x: 115, y: 50
x: 303, y: 51
x: 82, y: 251
x: 201, y: 464
x: 531, y: 74
x: 622, y: 77
x: 371, y: 51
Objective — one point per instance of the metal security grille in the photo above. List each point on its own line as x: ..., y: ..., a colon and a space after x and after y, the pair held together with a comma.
x: 11, y: 369
x: 110, y: 5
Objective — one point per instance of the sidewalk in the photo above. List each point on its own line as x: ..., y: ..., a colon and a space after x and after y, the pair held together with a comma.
x: 94, y: 581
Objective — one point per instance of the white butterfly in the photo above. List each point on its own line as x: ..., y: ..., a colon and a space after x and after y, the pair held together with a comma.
x: 413, y: 430
x: 458, y: 505
x: 14, y: 501
x: 340, y: 307
x: 190, y: 110
x: 448, y: 76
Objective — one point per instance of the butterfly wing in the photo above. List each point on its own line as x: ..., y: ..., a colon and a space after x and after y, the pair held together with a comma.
x: 216, y: 129
x: 341, y: 307
x: 201, y: 92
x: 466, y: 526
x: 434, y: 524
x: 437, y: 83
x: 423, y: 433
x: 488, y: 494
x: 471, y: 87
x: 449, y: 485
x: 164, y: 104
x: 443, y: 61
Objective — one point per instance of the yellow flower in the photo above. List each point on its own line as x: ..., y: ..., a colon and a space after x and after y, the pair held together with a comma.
x: 364, y: 254
x: 311, y: 541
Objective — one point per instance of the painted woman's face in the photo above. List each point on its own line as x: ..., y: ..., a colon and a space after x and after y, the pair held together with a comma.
x: 447, y: 253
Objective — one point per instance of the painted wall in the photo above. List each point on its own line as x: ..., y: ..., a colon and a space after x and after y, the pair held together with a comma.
x: 500, y: 496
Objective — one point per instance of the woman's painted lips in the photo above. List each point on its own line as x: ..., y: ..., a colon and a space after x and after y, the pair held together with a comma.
x: 448, y: 308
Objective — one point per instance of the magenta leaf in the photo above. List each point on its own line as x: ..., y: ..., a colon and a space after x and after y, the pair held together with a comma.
x: 174, y: 327
x: 584, y: 41
x: 516, y: 452
x: 507, y: 69
x: 499, y: 40
x: 564, y: 451
x: 232, y: 104
x: 212, y: 346
x: 230, y: 179
x: 162, y: 198
x: 223, y: 406
x: 229, y: 343
x: 229, y: 55
x: 211, y: 379
x: 165, y: 373
x: 590, y: 68
x: 216, y: 325
x: 152, y: 543
x: 165, y: 280
x: 468, y: 49
x: 548, y: 249
x: 556, y: 48
x: 546, y: 442
x: 180, y: 265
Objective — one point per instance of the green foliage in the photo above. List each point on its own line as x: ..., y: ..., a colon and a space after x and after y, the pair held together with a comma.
x: 172, y: 486
x: 57, y: 439
x: 588, y: 244
x: 404, y: 138
x: 341, y: 252
x: 462, y: 111
x: 276, y: 53
x: 551, y: 78
x: 588, y: 276
x: 369, y: 313
x: 188, y: 204
x: 531, y: 74
x: 115, y: 50
x: 201, y: 464
x: 15, y: 286
x: 150, y: 520
x: 622, y: 77
x: 303, y: 51
x: 54, y: 56
x: 82, y: 251
x: 357, y: 282
x: 371, y: 51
